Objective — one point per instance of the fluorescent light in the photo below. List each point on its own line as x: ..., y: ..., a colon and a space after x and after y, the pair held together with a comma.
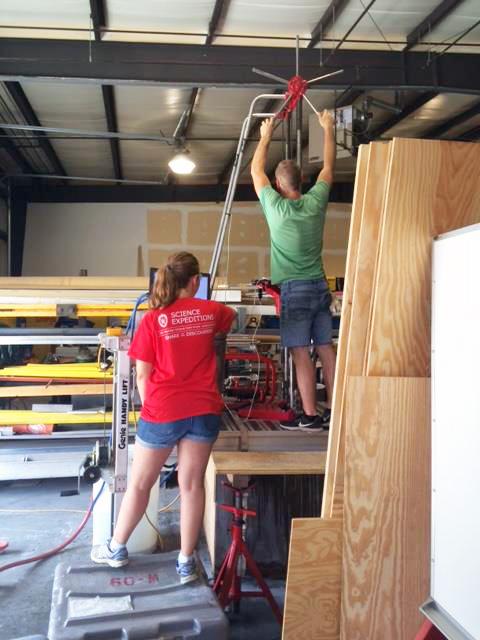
x: 181, y: 163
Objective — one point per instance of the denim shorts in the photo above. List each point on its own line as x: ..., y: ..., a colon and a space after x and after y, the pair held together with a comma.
x: 305, y: 316
x: 163, y: 435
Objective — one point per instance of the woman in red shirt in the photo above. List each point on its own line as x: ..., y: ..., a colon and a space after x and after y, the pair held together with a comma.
x: 181, y: 405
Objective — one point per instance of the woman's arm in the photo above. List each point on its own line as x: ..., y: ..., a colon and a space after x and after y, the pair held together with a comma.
x: 143, y: 373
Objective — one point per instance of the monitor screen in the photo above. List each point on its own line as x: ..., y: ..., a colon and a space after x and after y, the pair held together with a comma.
x: 203, y: 292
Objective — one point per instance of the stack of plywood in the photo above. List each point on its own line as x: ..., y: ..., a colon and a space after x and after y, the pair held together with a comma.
x: 361, y: 571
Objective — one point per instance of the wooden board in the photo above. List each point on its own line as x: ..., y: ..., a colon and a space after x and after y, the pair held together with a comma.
x: 334, y: 444
x: 74, y: 282
x: 269, y: 463
x: 36, y: 390
x: 434, y: 187
x: 361, y: 297
x: 386, y: 553
x: 312, y: 598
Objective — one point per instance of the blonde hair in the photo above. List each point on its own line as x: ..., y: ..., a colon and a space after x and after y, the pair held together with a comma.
x: 172, y: 277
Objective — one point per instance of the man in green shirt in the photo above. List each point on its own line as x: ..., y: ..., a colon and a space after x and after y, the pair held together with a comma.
x: 296, y: 224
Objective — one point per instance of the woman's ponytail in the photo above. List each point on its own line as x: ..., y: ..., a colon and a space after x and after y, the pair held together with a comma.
x: 172, y: 277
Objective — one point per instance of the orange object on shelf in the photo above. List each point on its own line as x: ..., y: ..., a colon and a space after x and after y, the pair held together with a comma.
x: 37, y: 429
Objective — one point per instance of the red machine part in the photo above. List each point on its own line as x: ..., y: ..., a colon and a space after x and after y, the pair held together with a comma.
x: 268, y: 392
x: 270, y: 289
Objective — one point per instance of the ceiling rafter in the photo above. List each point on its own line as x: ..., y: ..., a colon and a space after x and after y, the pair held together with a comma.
x: 415, y: 104
x: 23, y: 105
x: 433, y: 19
x: 470, y: 136
x: 185, y: 121
x: 98, y: 14
x: 184, y: 65
x: 464, y: 116
x: 14, y: 153
x: 218, y: 13
x: 328, y: 19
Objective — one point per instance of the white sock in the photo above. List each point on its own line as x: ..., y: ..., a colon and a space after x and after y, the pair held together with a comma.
x: 182, y: 558
x: 114, y: 545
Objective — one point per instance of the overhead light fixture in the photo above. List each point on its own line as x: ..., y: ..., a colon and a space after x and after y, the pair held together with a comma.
x: 181, y: 163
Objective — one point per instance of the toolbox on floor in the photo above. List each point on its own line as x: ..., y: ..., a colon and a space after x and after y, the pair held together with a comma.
x: 142, y: 601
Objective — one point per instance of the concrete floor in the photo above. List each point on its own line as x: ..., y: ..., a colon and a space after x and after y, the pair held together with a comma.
x: 34, y: 518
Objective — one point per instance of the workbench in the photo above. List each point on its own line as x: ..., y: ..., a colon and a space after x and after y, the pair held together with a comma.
x: 238, y: 467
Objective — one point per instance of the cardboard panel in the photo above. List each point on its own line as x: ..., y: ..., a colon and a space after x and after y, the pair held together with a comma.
x: 164, y: 226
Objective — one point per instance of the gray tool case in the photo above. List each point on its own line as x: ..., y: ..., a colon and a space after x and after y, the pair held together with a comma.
x: 142, y: 601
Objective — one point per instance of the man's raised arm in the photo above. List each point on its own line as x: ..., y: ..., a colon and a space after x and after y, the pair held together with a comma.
x: 329, y: 147
x: 259, y: 177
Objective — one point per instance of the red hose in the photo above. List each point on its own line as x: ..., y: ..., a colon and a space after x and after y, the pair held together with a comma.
x: 55, y: 550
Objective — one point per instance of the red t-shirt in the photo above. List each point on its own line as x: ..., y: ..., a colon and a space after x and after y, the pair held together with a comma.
x: 178, y: 341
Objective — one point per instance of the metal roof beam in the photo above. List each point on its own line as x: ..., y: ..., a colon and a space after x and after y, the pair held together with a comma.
x: 18, y: 96
x: 464, y: 116
x: 471, y: 135
x: 217, y: 14
x: 98, y: 15
x: 348, y: 97
x: 331, y: 13
x: 111, y: 116
x: 434, y: 18
x: 41, y: 192
x: 404, y: 113
x: 231, y: 66
x: 15, y: 153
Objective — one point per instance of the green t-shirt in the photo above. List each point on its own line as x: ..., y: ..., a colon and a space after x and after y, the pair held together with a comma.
x: 296, y: 233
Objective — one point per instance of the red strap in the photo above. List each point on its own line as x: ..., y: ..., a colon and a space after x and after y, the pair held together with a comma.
x: 295, y: 91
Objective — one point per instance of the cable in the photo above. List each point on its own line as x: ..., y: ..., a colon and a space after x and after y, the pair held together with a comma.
x: 170, y: 504
x: 377, y: 26
x: 60, y: 547
x: 253, y: 344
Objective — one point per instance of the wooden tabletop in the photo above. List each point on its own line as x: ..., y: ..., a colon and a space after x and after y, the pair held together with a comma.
x: 249, y: 463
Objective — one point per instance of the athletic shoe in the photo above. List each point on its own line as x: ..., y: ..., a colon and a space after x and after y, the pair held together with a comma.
x: 303, y: 423
x: 325, y: 418
x: 187, y: 571
x: 102, y: 554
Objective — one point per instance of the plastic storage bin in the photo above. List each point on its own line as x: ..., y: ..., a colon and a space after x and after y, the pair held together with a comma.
x: 142, y: 601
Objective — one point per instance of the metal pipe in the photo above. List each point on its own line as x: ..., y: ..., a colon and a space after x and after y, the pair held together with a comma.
x: 325, y: 75
x: 311, y: 105
x: 81, y: 133
x: 50, y: 176
x: 272, y: 76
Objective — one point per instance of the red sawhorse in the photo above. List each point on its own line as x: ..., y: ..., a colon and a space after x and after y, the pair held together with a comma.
x: 228, y: 584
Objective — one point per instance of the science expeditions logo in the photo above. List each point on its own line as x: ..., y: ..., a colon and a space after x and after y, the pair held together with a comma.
x: 163, y: 320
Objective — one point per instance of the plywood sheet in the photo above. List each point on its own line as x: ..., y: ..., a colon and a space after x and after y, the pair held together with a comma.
x: 386, y: 552
x: 361, y: 297
x: 434, y: 187
x: 312, y: 599
x: 334, y: 444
